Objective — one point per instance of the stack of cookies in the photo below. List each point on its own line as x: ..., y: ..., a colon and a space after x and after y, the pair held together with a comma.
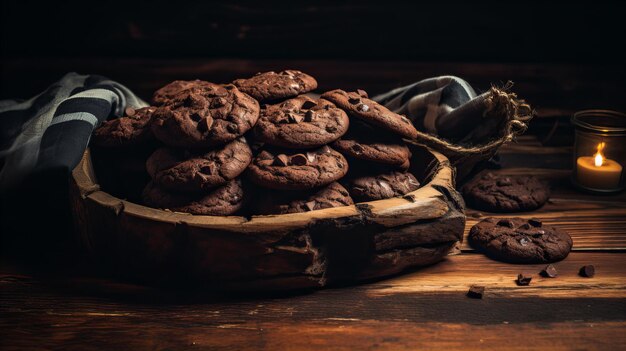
x: 297, y: 153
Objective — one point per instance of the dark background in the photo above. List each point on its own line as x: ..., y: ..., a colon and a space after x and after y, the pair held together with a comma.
x: 43, y: 40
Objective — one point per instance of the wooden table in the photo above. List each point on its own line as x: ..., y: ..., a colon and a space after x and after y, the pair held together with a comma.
x: 423, y: 309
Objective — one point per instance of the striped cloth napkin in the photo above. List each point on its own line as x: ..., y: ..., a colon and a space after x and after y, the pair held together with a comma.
x: 49, y: 132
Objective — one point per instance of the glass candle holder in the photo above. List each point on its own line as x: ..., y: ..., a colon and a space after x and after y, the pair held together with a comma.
x: 599, y: 151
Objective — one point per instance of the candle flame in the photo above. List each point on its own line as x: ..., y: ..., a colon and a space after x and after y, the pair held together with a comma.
x: 598, y: 157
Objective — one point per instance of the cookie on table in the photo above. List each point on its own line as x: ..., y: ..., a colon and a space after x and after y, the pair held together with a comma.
x: 169, y: 91
x: 272, y: 86
x: 281, y: 202
x: 365, y: 143
x: 221, y: 201
x: 183, y: 170
x: 381, y: 186
x: 210, y: 116
x: 499, y: 193
x: 131, y: 129
x: 301, y: 123
x: 520, y: 240
x: 293, y: 170
x: 358, y: 105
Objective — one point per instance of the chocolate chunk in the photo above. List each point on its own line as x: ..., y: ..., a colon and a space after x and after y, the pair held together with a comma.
x: 587, y: 271
x: 357, y: 148
x: 505, y: 223
x: 308, y: 104
x: 298, y: 160
x: 504, y: 181
x: 535, y: 222
x: 130, y: 111
x: 525, y: 226
x: 232, y: 128
x: 354, y: 101
x: 363, y: 108
x: 308, y: 116
x: 310, y: 205
x: 205, y: 124
x: 207, y: 169
x: 294, y: 118
x: 195, y: 117
x: 476, y: 292
x: 362, y: 93
x: 523, y: 280
x: 549, y: 272
x: 281, y: 160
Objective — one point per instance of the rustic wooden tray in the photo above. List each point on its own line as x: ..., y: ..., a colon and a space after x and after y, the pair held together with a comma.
x: 301, y: 250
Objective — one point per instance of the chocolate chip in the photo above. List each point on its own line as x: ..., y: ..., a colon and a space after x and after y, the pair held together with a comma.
x: 505, y: 223
x: 523, y: 280
x: 363, y: 108
x: 195, y: 117
x: 232, y: 128
x: 409, y: 197
x: 525, y: 226
x: 310, y: 205
x: 331, y: 129
x: 354, y: 101
x: 219, y: 102
x: 549, y: 272
x: 358, y: 149
x: 130, y: 111
x: 327, y: 107
x: 587, y: 271
x: 207, y: 169
x: 308, y: 116
x: 504, y: 182
x: 308, y: 104
x: 524, y: 241
x: 362, y: 93
x: 205, y: 124
x: 229, y: 87
x: 294, y: 118
x: 476, y: 292
x: 281, y: 160
x: 535, y: 222
x: 299, y: 160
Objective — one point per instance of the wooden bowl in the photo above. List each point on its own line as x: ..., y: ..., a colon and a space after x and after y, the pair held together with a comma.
x: 301, y: 250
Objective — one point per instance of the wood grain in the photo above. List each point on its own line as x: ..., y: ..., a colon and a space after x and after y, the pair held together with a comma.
x: 426, y: 309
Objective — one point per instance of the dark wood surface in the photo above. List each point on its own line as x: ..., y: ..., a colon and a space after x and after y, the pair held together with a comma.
x: 73, y: 308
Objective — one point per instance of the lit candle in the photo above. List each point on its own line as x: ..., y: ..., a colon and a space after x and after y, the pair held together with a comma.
x: 598, y: 172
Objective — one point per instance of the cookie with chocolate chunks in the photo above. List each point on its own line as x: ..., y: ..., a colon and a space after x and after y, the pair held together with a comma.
x: 183, y: 170
x: 359, y: 106
x: 301, y: 123
x: 381, y: 186
x: 205, y: 117
x: 220, y: 201
x: 365, y: 143
x: 169, y: 91
x: 499, y: 193
x: 272, y: 86
x: 131, y: 129
x: 520, y: 240
x: 281, y: 202
x: 292, y: 170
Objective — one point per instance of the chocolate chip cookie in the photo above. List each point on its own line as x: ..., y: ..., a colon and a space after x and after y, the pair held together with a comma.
x: 358, y: 105
x: 296, y: 171
x: 131, y: 129
x: 365, y: 143
x: 221, y: 201
x: 204, y: 117
x: 497, y: 193
x: 281, y: 202
x: 520, y: 240
x: 272, y: 86
x: 168, y: 92
x: 381, y: 186
x: 301, y: 123
x: 182, y: 170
